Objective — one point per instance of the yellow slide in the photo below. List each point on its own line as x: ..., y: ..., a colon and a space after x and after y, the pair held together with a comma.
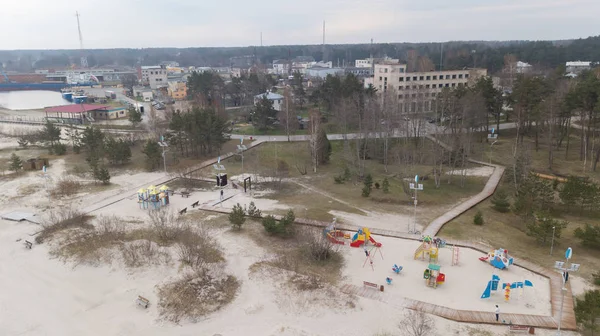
x: 419, y: 252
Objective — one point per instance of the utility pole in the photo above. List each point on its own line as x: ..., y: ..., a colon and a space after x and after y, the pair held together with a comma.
x: 261, y: 44
x: 163, y: 144
x: 442, y: 57
x: 562, y: 266
x: 415, y: 186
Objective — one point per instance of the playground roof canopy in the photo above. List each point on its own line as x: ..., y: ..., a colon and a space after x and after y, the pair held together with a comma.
x: 434, y: 267
x: 76, y: 108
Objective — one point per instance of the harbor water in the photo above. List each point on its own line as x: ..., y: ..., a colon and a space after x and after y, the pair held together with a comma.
x: 30, y: 100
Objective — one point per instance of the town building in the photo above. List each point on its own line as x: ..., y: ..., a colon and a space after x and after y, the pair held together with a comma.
x: 277, y: 99
x: 143, y: 92
x: 360, y: 71
x: 281, y: 67
x: 522, y: 67
x: 418, y: 90
x: 84, y: 113
x: 322, y: 72
x: 578, y: 66
x: 177, y: 90
x: 363, y: 63
x: 155, y: 76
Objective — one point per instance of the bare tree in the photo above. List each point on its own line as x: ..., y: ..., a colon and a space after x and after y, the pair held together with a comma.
x: 315, y: 124
x: 289, y: 120
x: 417, y: 323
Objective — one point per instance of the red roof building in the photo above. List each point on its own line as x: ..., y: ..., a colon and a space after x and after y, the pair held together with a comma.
x: 76, y: 108
x: 74, y: 113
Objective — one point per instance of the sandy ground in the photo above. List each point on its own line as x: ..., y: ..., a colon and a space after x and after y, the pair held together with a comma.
x: 44, y: 296
x: 464, y: 283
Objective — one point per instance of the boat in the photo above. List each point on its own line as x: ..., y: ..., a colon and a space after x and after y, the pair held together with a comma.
x: 79, y: 99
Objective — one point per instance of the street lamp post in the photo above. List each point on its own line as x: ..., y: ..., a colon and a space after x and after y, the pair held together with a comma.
x: 562, y: 266
x: 219, y: 168
x: 552, y: 244
x: 494, y: 137
x: 163, y: 144
x: 415, y: 186
x: 241, y: 148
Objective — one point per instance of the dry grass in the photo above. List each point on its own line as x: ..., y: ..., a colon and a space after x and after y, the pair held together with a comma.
x: 196, y: 294
x: 296, y: 255
x: 61, y: 220
x: 65, y: 186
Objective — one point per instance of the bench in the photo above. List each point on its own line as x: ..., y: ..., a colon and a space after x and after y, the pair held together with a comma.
x: 195, y: 204
x: 521, y: 328
x: 183, y: 211
x: 185, y: 194
x: 370, y: 284
x: 28, y: 244
x: 142, y: 301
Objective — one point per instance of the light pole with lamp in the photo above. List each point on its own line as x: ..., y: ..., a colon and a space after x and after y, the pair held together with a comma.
x: 241, y: 148
x: 415, y: 186
x: 494, y: 137
x: 562, y: 266
x: 552, y: 244
x: 219, y: 168
x: 163, y: 144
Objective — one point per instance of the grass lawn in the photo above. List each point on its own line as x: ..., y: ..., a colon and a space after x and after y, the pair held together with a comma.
x: 507, y: 230
x: 248, y: 129
x: 262, y: 160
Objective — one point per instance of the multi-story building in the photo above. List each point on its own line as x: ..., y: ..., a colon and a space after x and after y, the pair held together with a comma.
x: 363, y: 63
x: 418, y: 90
x: 275, y: 98
x: 156, y: 76
x: 578, y: 66
x: 177, y: 90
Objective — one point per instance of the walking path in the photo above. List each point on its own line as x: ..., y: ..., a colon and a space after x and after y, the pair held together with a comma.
x: 568, y: 317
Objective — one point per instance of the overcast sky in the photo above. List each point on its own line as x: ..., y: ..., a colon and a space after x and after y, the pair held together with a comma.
x: 51, y: 24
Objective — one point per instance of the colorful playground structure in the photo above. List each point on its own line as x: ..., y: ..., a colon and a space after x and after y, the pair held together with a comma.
x: 430, y: 249
x: 498, y: 258
x: 492, y: 286
x: 357, y: 240
x: 433, y: 277
x: 153, y: 197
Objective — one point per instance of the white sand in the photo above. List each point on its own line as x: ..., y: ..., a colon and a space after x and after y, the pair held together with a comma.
x: 43, y: 296
x: 386, y: 221
x: 464, y: 283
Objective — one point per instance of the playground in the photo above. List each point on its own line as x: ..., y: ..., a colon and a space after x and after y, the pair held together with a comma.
x: 462, y: 287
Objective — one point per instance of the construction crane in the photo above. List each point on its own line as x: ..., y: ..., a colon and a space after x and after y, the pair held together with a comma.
x: 6, y: 79
x: 84, y: 62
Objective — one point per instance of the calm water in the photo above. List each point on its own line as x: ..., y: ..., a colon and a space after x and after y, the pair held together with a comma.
x: 30, y: 100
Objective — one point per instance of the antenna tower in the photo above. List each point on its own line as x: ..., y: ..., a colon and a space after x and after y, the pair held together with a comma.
x: 84, y: 62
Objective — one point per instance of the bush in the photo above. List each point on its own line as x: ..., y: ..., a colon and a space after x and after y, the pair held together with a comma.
x: 368, y: 181
x: 101, y: 174
x: 15, y: 163
x: 589, y: 236
x: 237, y: 217
x: 347, y: 175
x: 385, y: 185
x: 338, y: 179
x: 283, y: 228
x: 59, y: 149
x: 377, y: 185
x: 366, y: 191
x: 478, y: 219
x: 253, y: 211
x: 500, y: 202
x: 270, y: 224
x: 596, y: 279
x: 66, y: 186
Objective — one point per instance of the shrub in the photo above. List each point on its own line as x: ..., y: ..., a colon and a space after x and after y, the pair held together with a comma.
x: 338, y: 179
x: 59, y: 149
x: 385, y: 185
x: 377, y: 185
x: 283, y: 228
x: 237, y: 217
x: 500, y: 201
x: 366, y: 191
x: 596, y: 279
x: 368, y: 181
x: 270, y: 224
x: 101, y: 174
x: 589, y: 236
x: 66, y: 186
x: 347, y: 175
x: 15, y: 163
x: 478, y: 218
x: 253, y: 211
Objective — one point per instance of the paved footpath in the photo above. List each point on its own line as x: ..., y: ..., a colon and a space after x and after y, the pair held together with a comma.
x: 568, y: 317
